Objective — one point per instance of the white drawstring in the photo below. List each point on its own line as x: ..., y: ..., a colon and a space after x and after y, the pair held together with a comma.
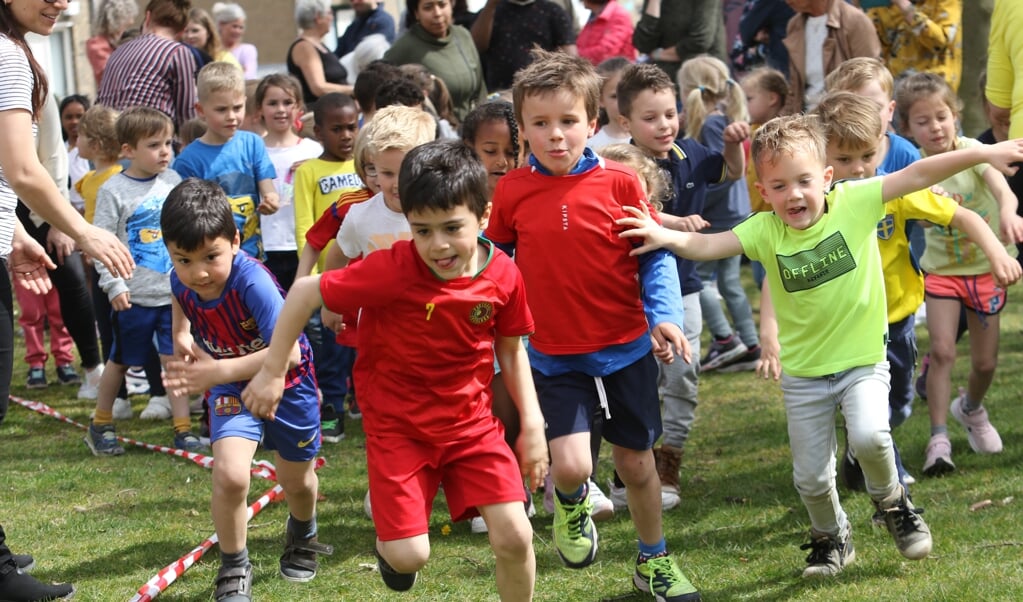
x: 602, y: 394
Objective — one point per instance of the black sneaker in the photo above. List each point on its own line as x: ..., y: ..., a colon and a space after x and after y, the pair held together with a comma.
x: 36, y: 378
x: 399, y: 582
x: 24, y: 562
x: 353, y: 407
x: 332, y: 425
x: 16, y: 585
x: 911, y: 534
x: 722, y: 352
x: 747, y: 362
x: 298, y: 563
x: 850, y: 472
x: 233, y: 584
x: 829, y: 555
x: 67, y: 375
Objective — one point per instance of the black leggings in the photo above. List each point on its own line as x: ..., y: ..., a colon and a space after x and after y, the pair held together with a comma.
x: 6, y: 342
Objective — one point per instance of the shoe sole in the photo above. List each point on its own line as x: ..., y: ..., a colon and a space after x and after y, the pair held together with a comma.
x: 333, y: 438
x: 604, y: 514
x: 723, y: 359
x: 154, y: 415
x: 642, y: 586
x: 940, y: 468
x: 296, y: 579
x: 100, y: 454
x: 42, y: 386
x: 739, y: 367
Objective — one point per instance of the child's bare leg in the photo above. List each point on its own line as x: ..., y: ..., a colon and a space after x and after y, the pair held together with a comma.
x: 983, y: 354
x: 639, y: 473
x: 511, y: 538
x: 942, y: 323
x: 300, y: 485
x: 230, y: 490
x: 407, y: 555
x: 571, y: 463
x: 109, y: 385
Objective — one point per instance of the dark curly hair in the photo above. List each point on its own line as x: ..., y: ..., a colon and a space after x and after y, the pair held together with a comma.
x: 494, y: 110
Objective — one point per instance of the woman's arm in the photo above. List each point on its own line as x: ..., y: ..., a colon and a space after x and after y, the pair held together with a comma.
x: 308, y: 60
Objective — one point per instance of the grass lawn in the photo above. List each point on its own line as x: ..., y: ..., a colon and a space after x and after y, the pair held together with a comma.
x: 109, y: 524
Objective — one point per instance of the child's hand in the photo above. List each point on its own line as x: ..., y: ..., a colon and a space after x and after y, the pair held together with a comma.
x: 735, y: 132
x: 1011, y: 227
x: 686, y: 223
x: 121, y: 302
x: 643, y: 226
x: 769, y: 366
x: 669, y: 341
x: 1006, y: 270
x: 263, y: 393
x: 191, y: 376
x: 335, y: 322
x: 1004, y: 154
x: 531, y: 449
x: 269, y: 204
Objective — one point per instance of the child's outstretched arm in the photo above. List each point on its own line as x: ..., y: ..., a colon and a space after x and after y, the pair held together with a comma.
x: 734, y: 135
x: 531, y: 447
x: 770, y: 349
x: 306, y: 260
x: 931, y: 170
x: 1004, y: 267
x: 691, y: 245
x: 264, y: 391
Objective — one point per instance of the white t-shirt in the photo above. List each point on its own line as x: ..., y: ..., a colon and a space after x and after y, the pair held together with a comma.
x: 602, y: 139
x: 15, y: 93
x: 371, y: 226
x: 816, y: 33
x: 279, y: 228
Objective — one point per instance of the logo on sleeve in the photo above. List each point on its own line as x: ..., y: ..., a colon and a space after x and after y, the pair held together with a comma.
x: 811, y: 268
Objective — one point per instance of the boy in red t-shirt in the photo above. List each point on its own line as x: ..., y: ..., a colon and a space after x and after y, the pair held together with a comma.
x: 597, y: 309
x: 433, y: 312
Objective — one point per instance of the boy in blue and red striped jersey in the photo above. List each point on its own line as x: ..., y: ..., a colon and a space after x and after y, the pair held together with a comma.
x: 230, y: 303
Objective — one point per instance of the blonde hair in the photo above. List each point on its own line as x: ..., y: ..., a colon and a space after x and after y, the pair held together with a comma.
x: 553, y: 72
x: 850, y: 120
x: 99, y: 124
x: 786, y: 136
x: 769, y: 80
x: 219, y: 76
x: 400, y: 128
x: 855, y: 73
x: 213, y: 47
x: 924, y: 85
x: 709, y: 84
x: 360, y: 152
x: 654, y: 177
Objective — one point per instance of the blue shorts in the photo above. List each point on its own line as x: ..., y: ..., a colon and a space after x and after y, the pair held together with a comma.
x: 568, y: 402
x: 294, y: 434
x: 134, y: 331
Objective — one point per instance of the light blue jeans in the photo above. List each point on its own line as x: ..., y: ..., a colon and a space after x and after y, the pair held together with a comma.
x: 730, y: 287
x: 810, y: 405
x: 678, y: 380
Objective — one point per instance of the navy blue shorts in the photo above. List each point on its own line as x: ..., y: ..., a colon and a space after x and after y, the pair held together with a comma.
x: 902, y: 355
x: 568, y: 402
x: 134, y: 331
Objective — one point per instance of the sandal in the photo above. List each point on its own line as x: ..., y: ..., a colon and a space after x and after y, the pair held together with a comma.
x: 298, y: 563
x: 234, y: 584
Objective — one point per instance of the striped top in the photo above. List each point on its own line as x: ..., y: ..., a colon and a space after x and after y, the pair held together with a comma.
x: 154, y: 72
x: 15, y: 93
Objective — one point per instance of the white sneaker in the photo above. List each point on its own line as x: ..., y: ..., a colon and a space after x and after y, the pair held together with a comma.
x: 136, y: 382
x: 159, y: 408
x: 620, y: 500
x: 367, y: 507
x: 122, y: 409
x: 90, y: 384
x: 478, y: 525
x: 603, y: 508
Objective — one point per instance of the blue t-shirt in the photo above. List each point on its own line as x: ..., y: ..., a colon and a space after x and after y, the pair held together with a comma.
x: 238, y: 166
x: 901, y: 153
x: 241, y: 321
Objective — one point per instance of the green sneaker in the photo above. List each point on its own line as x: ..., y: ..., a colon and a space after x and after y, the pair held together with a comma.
x: 661, y: 577
x: 575, y: 536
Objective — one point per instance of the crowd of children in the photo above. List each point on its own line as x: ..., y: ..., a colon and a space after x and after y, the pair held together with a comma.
x: 626, y: 201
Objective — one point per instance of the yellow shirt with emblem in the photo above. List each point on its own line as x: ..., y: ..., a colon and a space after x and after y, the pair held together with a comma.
x: 89, y: 185
x: 903, y: 279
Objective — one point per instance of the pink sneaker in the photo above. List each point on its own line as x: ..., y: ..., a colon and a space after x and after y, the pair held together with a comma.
x: 939, y: 456
x: 984, y: 439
